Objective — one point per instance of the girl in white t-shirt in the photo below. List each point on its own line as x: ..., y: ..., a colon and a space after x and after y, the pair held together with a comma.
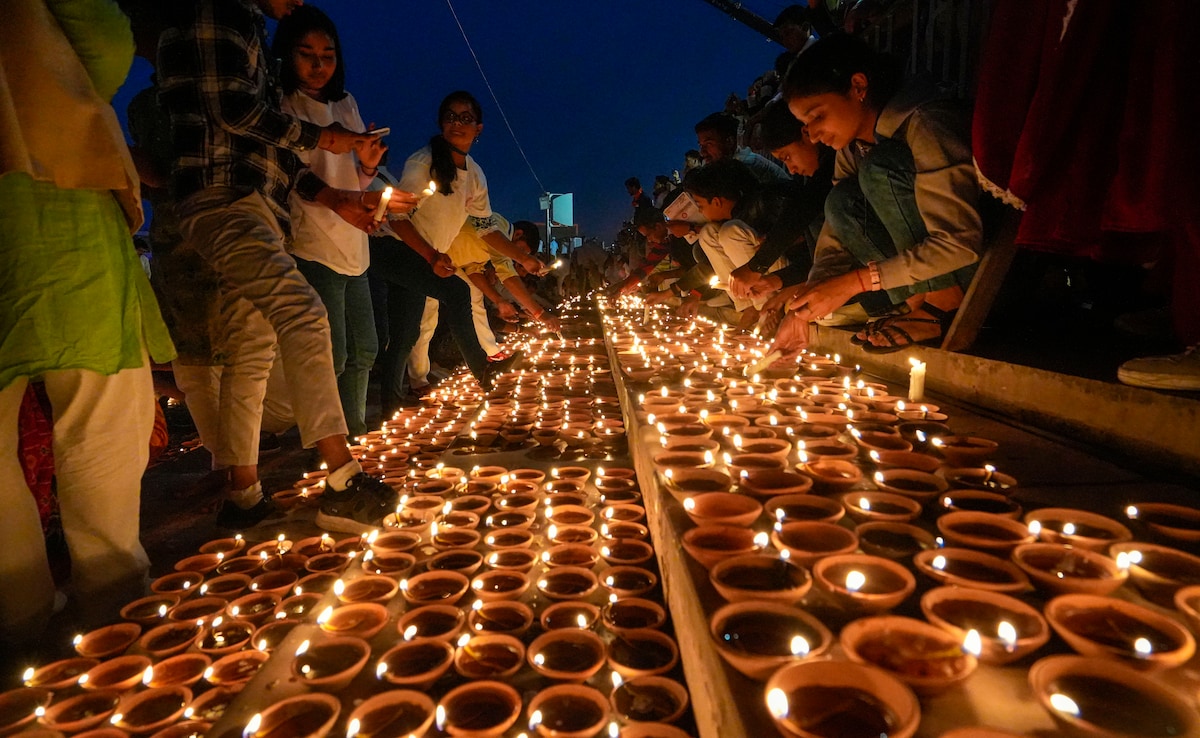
x: 331, y: 253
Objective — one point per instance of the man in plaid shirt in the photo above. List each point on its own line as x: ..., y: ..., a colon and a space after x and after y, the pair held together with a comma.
x: 235, y: 164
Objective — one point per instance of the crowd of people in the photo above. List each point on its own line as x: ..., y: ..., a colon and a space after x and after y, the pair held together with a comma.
x: 287, y: 261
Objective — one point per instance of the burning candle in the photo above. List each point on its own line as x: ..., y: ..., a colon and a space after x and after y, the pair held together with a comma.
x: 381, y: 208
x: 916, y: 380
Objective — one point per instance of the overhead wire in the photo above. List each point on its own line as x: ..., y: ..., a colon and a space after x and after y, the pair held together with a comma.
x: 492, y: 92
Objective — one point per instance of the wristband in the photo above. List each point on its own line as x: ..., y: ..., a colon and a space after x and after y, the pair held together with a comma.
x: 876, y: 281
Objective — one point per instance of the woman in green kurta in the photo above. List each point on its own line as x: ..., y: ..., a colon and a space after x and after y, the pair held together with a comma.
x: 76, y: 309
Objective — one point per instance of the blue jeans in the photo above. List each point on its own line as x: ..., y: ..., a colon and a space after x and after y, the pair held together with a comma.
x: 876, y: 216
x: 352, y: 331
x: 410, y: 279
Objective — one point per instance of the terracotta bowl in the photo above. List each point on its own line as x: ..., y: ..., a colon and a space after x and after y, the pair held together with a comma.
x: 831, y: 476
x: 569, y: 614
x: 415, y: 664
x: 331, y: 663
x: 864, y: 583
x: 168, y: 639
x: 566, y: 654
x: 152, y: 610
x: 632, y: 613
x: 1057, y: 569
x: 981, y: 479
x: 985, y: 532
x: 81, y: 712
x: 628, y: 581
x: 152, y: 710
x: 360, y: 620
x: 19, y: 707
x: 439, y: 622
x: 808, y: 543
x: 894, y: 540
x: 489, y: 656
x: 684, y: 483
x: 722, y: 508
x: 1158, y: 572
x: 58, y: 675
x: 234, y: 670
x: 870, y: 700
x: 758, y: 637
x: 1187, y: 602
x: 642, y: 652
x: 882, y: 507
x: 1176, y: 522
x: 964, y: 567
x: 1009, y: 629
x: 1077, y: 528
x: 311, y: 714
x: 433, y: 587
x: 508, y: 538
x: 499, y: 617
x: 500, y: 584
x: 108, y: 641
x: 1099, y: 697
x: 568, y: 583
x: 177, y: 671
x: 628, y: 552
x: 399, y: 712
x: 923, y: 656
x: 709, y: 544
x: 916, y: 485
x: 1112, y: 628
x: 906, y: 460
x: 973, y: 500
x: 961, y: 451
x: 480, y: 709
x: 649, y: 699
x: 120, y: 674
x: 512, y: 559
x: 803, y: 508
x: 769, y: 484
x: 760, y: 577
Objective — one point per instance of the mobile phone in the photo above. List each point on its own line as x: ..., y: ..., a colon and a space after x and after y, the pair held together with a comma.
x: 379, y: 132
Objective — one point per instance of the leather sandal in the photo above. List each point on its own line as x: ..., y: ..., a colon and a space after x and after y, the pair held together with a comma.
x: 891, y: 331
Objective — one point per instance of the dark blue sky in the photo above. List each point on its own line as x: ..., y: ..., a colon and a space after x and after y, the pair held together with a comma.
x: 596, y: 91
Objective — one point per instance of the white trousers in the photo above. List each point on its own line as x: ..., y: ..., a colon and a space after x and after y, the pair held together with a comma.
x: 418, y: 359
x: 487, y: 339
x: 102, y: 427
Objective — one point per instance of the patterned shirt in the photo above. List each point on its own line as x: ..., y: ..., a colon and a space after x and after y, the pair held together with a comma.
x: 223, y: 96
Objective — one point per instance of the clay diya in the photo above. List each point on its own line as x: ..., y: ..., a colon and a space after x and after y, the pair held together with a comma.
x: 566, y: 654
x: 268, y: 637
x: 888, y: 459
x: 399, y: 541
x: 965, y: 451
x: 1158, y: 572
x: 985, y: 532
x: 621, y: 530
x: 152, y: 710
x: 771, y: 483
x: 803, y: 508
x: 395, y: 565
x: 225, y: 586
x: 986, y: 479
x: 893, y: 540
x: 331, y: 663
x: 1057, y: 569
x: 871, y: 507
x: 512, y: 559
x: 359, y: 619
x: 649, y: 699
x: 395, y: 714
x: 273, y: 582
x: 923, y: 656
x: 760, y: 577
x: 757, y: 637
x: 415, y: 664
x: 234, y: 670
x: 489, y: 656
x: 709, y: 544
x: 20, y: 707
x: 1008, y: 629
x: 211, y: 705
x: 223, y: 636
x: 303, y: 716
x: 1107, y: 627
x: 808, y: 543
x: 257, y: 607
x: 568, y: 583
x: 627, y: 552
x: 864, y: 583
x: 963, y: 567
x: 722, y: 508
x: 499, y: 617
x: 831, y: 476
x: 916, y: 485
x: 438, y: 622
x: 569, y: 615
x: 169, y: 639
x: 1099, y: 697
x: 570, y: 554
x: 642, y: 652
x: 152, y: 610
x: 973, y: 500
x: 182, y: 670
x: 433, y: 587
x: 632, y: 613
x: 684, y: 483
x: 81, y: 712
x: 107, y: 641
x: 367, y: 588
x: 500, y: 584
x: 200, y: 608
x: 508, y: 539
x: 814, y: 699
x: 568, y: 711
x: 118, y: 674
x: 1076, y: 528
x: 480, y: 709
x: 1177, y: 522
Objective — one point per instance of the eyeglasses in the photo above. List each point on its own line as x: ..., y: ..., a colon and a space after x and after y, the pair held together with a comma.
x: 450, y: 119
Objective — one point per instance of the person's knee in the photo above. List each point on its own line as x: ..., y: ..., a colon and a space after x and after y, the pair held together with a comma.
x: 844, y: 204
x: 888, y: 164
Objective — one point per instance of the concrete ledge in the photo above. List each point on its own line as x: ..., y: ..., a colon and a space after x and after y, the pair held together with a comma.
x: 1153, y: 427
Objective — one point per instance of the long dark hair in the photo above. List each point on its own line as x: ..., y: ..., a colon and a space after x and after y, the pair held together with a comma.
x: 292, y: 28
x: 829, y: 64
x: 442, y: 169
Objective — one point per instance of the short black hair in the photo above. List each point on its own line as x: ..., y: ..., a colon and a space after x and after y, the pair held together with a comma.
x: 530, y: 233
x: 633, y: 182
x: 647, y: 216
x: 726, y: 178
x: 723, y: 124
x: 829, y: 65
x: 792, y: 15
x: 779, y: 126
x: 292, y: 28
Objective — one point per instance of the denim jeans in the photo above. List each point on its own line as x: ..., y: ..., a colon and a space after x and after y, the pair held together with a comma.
x: 876, y: 216
x: 410, y: 279
x: 352, y: 330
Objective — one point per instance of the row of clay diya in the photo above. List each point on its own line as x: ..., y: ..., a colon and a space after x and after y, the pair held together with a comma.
x: 628, y: 616
x: 762, y: 632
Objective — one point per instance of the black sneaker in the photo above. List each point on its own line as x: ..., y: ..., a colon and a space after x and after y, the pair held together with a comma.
x: 268, y: 443
x: 235, y: 518
x: 360, y: 508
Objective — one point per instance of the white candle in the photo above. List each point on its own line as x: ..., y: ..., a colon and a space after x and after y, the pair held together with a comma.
x: 916, y: 380
x: 381, y: 208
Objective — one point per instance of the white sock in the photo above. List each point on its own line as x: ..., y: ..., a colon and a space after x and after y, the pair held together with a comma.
x: 247, y: 498
x: 340, y: 477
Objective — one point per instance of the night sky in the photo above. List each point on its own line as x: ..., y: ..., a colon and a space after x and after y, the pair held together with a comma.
x: 595, y: 91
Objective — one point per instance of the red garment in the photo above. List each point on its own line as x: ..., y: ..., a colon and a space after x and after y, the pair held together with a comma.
x: 35, y: 448
x: 1080, y: 114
